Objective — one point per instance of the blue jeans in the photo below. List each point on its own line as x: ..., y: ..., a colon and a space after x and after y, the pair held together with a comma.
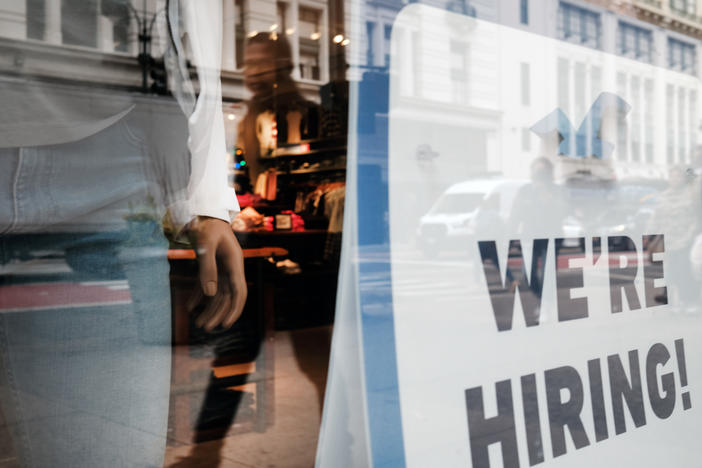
x: 85, y: 364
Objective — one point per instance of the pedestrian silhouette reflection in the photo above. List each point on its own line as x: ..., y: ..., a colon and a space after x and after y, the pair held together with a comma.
x: 671, y: 211
x: 277, y: 115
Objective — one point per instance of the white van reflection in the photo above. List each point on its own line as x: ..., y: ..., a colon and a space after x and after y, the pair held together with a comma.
x: 463, y: 211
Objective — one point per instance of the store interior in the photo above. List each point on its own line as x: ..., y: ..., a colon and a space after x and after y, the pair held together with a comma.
x: 252, y: 395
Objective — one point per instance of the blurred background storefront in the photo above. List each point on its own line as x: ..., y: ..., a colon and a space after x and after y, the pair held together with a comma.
x: 252, y: 395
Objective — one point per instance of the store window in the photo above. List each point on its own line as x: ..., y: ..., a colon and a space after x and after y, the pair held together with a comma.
x: 681, y: 56
x: 579, y: 25
x: 122, y: 242
x: 310, y: 39
x: 635, y: 42
x: 179, y: 288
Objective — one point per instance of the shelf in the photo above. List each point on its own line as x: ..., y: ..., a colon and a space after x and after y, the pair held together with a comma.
x: 315, y: 152
x: 315, y: 170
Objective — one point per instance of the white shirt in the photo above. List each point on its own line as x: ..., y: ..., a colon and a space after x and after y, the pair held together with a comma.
x: 208, y: 192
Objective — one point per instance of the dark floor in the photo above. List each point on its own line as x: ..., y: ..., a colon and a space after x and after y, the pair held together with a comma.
x: 291, y: 401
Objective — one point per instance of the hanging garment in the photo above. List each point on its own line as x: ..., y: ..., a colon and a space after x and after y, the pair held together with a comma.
x: 266, y: 132
x: 334, y: 209
x: 271, y: 184
x: 294, y: 119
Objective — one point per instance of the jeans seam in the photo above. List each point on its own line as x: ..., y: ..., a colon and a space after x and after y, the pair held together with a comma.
x: 131, y: 136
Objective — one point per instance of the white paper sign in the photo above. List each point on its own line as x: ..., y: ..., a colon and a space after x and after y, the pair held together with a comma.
x: 544, y: 225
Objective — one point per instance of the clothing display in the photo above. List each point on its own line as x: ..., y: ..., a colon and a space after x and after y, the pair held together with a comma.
x: 247, y: 220
x: 248, y: 199
x: 267, y: 185
x: 130, y: 164
x: 294, y: 119
x: 208, y: 192
x: 87, y: 174
x: 286, y: 118
x: 298, y: 223
x: 315, y: 201
x: 334, y: 208
x: 266, y: 132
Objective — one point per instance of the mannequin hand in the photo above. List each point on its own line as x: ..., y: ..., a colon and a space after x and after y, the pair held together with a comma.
x: 222, y: 279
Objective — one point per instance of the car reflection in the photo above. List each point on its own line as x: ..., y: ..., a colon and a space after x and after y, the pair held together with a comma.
x: 463, y: 211
x: 479, y: 208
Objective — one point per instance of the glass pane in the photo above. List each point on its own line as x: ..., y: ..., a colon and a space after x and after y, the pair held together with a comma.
x: 514, y: 280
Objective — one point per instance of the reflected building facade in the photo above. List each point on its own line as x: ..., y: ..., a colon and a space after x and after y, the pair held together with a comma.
x: 468, y: 90
x: 105, y: 53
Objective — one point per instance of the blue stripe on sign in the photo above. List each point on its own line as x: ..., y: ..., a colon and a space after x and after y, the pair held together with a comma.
x: 375, y: 281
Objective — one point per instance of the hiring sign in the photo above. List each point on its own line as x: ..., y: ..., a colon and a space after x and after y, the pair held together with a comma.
x: 544, y: 295
x: 628, y: 373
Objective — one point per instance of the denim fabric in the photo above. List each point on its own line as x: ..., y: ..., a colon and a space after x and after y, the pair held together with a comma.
x: 79, y: 174
x: 87, y: 384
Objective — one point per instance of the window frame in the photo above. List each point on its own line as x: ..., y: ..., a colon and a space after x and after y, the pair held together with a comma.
x: 574, y: 24
x: 640, y: 35
x: 524, y: 12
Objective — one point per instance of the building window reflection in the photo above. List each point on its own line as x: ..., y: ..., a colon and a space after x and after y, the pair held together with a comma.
x: 686, y: 7
x: 524, y: 12
x: 239, y: 32
x: 579, y: 25
x: 104, y: 25
x: 635, y: 42
x: 36, y: 19
x: 681, y: 56
x: 370, y: 31
x: 79, y: 22
x: 386, y: 44
x: 310, y: 36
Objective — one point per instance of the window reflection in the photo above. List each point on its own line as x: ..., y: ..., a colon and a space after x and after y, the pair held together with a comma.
x: 152, y: 130
x: 499, y: 147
